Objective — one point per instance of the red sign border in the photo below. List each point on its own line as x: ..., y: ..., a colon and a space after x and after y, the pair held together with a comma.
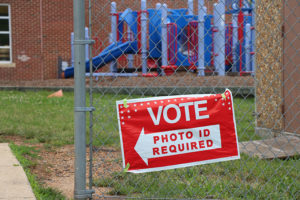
x: 190, y: 164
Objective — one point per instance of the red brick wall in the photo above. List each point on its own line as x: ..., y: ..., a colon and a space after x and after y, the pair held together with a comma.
x: 40, y: 29
x: 57, y: 26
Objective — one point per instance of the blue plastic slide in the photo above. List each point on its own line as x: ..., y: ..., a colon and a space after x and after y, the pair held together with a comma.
x: 109, y: 54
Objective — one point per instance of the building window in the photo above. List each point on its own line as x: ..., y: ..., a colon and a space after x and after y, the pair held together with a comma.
x: 5, y: 34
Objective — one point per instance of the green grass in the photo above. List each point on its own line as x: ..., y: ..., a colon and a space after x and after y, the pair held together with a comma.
x: 27, y: 157
x: 51, y: 120
x: 37, y: 118
x: 245, y: 121
x: 248, y: 178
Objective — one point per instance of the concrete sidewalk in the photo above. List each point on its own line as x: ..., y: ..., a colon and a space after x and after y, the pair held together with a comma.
x: 13, y: 180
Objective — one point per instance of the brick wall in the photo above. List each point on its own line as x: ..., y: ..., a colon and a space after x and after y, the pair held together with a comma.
x: 57, y: 26
x: 40, y: 30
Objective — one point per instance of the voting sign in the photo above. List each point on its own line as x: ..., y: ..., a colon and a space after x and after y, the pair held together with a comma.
x: 160, y: 133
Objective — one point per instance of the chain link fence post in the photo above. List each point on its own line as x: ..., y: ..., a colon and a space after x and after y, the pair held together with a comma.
x: 79, y: 100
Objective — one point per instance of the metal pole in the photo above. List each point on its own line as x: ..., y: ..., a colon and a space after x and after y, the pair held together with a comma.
x: 87, y: 46
x: 144, y: 30
x: 190, y: 7
x: 79, y: 98
x: 72, y: 49
x: 130, y: 57
x: 234, y: 41
x: 201, y: 14
x: 114, y: 32
x: 219, y: 37
x: 248, y: 47
x: 157, y: 6
x: 164, y: 42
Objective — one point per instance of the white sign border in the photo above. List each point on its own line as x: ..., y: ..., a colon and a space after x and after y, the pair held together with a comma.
x: 137, y: 171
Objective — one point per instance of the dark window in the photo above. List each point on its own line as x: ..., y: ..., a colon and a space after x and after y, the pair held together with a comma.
x: 5, y: 34
x: 3, y: 10
x: 4, y: 40
x: 4, y: 24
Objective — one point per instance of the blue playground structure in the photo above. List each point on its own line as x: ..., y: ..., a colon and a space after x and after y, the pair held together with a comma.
x: 166, y: 39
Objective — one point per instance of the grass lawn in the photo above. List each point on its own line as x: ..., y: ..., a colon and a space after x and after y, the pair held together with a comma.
x: 247, y: 178
x: 50, y: 121
x: 37, y: 118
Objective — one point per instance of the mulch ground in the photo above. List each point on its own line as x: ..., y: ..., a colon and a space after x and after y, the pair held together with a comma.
x: 180, y: 79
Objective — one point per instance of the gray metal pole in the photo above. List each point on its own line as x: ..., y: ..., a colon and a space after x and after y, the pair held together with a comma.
x: 234, y: 41
x: 144, y: 30
x: 114, y: 32
x: 248, y: 47
x: 201, y: 14
x: 219, y: 37
x: 79, y: 99
x: 190, y: 7
x: 164, y: 32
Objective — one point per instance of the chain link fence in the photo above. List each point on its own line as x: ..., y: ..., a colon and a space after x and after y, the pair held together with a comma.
x: 162, y: 48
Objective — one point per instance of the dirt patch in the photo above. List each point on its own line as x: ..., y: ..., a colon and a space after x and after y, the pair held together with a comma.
x: 55, y: 167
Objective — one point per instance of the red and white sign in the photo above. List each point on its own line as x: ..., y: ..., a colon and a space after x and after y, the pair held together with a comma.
x: 162, y: 133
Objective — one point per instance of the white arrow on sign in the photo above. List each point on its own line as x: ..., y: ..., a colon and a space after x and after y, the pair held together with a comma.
x: 176, y: 142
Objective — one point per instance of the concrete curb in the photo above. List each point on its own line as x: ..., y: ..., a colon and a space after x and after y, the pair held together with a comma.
x: 14, y: 183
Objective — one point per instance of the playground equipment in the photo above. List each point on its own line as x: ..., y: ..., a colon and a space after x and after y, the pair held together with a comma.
x: 168, y: 39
